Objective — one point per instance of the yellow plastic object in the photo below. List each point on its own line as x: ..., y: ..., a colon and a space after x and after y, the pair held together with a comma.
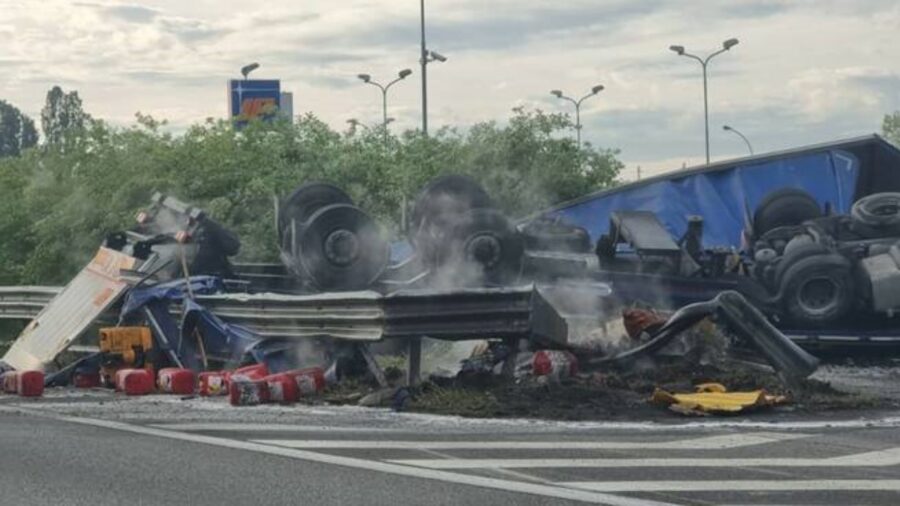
x: 121, y: 339
x: 714, y: 398
x: 124, y: 347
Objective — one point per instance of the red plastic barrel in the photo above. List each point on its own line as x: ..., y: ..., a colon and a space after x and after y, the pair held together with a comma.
x: 120, y: 375
x: 253, y: 372
x: 86, y: 379
x: 10, y: 382
x: 244, y: 392
x: 136, y: 382
x: 310, y: 381
x: 283, y: 388
x: 31, y: 383
x: 173, y: 380
x: 214, y: 382
x: 557, y: 364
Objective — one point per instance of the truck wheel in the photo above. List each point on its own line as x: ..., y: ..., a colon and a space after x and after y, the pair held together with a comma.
x: 342, y: 248
x: 481, y: 247
x: 818, y: 290
x: 879, y: 211
x: 784, y: 207
x: 445, y: 199
x: 306, y: 200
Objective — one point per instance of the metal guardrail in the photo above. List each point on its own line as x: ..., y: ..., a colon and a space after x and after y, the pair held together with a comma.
x: 25, y: 302
x: 367, y: 316
x: 460, y: 314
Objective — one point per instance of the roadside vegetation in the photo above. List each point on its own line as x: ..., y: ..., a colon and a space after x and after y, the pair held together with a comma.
x: 86, y: 178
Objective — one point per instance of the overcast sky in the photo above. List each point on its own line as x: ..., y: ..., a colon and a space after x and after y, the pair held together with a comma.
x: 805, y: 71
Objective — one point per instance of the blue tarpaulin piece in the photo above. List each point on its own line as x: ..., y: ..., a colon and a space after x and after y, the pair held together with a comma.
x: 720, y: 196
x: 175, y: 290
x: 234, y: 343
x: 222, y: 341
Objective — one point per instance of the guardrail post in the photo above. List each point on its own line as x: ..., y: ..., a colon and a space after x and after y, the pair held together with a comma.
x: 414, y: 364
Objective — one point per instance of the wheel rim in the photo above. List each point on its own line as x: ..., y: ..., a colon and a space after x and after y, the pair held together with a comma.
x: 484, y: 249
x: 341, y: 247
x: 818, y: 295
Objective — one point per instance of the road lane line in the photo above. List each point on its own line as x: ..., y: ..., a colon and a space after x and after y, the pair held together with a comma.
x: 262, y: 427
x: 880, y: 458
x: 719, y: 442
x: 369, y: 465
x: 735, y: 485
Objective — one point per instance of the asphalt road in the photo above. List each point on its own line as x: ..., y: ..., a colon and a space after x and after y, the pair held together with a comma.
x: 159, y: 451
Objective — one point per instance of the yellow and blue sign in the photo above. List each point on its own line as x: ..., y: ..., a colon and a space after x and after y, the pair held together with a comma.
x: 254, y: 99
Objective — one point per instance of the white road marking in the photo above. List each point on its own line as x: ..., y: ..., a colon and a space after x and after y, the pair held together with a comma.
x: 263, y: 427
x: 719, y: 442
x: 369, y: 465
x: 879, y: 458
x: 735, y: 485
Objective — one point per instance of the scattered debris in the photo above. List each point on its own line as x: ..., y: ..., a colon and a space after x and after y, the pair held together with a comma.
x: 714, y: 398
x: 545, y: 344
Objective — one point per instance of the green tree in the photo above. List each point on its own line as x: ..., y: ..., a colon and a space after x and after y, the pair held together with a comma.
x: 62, y: 119
x: 56, y: 205
x: 17, y: 131
x: 891, y: 127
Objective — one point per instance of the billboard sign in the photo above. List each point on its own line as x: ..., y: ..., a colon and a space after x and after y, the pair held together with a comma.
x: 253, y: 99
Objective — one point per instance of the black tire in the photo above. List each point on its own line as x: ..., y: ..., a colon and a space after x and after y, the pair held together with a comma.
x: 795, y: 255
x: 481, y: 247
x: 444, y: 200
x: 879, y: 211
x: 784, y: 207
x: 306, y: 200
x: 818, y: 291
x: 342, y: 248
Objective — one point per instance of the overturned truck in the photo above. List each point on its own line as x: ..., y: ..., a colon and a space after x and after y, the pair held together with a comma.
x: 465, y: 272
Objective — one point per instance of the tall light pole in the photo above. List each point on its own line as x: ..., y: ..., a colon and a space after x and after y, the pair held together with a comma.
x: 366, y: 78
x: 704, y: 62
x: 425, y: 58
x: 559, y: 94
x: 738, y: 133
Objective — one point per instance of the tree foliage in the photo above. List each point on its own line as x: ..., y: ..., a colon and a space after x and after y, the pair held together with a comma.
x: 17, y: 131
x: 891, y: 127
x: 62, y: 119
x: 57, y: 205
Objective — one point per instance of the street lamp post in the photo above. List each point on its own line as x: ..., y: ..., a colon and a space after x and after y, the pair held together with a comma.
x: 366, y: 78
x: 425, y: 58
x: 246, y: 69
x: 738, y: 133
x: 559, y: 94
x: 704, y: 62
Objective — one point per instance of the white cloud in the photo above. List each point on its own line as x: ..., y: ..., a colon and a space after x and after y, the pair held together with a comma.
x: 805, y: 71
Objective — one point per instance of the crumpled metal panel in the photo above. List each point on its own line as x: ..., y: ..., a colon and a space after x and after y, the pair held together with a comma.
x: 70, y: 313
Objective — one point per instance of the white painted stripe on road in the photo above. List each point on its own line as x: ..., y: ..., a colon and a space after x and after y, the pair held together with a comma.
x: 369, y: 465
x: 719, y: 442
x: 263, y: 427
x: 879, y: 458
x: 734, y: 485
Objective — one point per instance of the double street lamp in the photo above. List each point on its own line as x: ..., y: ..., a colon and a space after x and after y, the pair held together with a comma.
x: 366, y: 78
x: 704, y: 62
x: 559, y: 94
